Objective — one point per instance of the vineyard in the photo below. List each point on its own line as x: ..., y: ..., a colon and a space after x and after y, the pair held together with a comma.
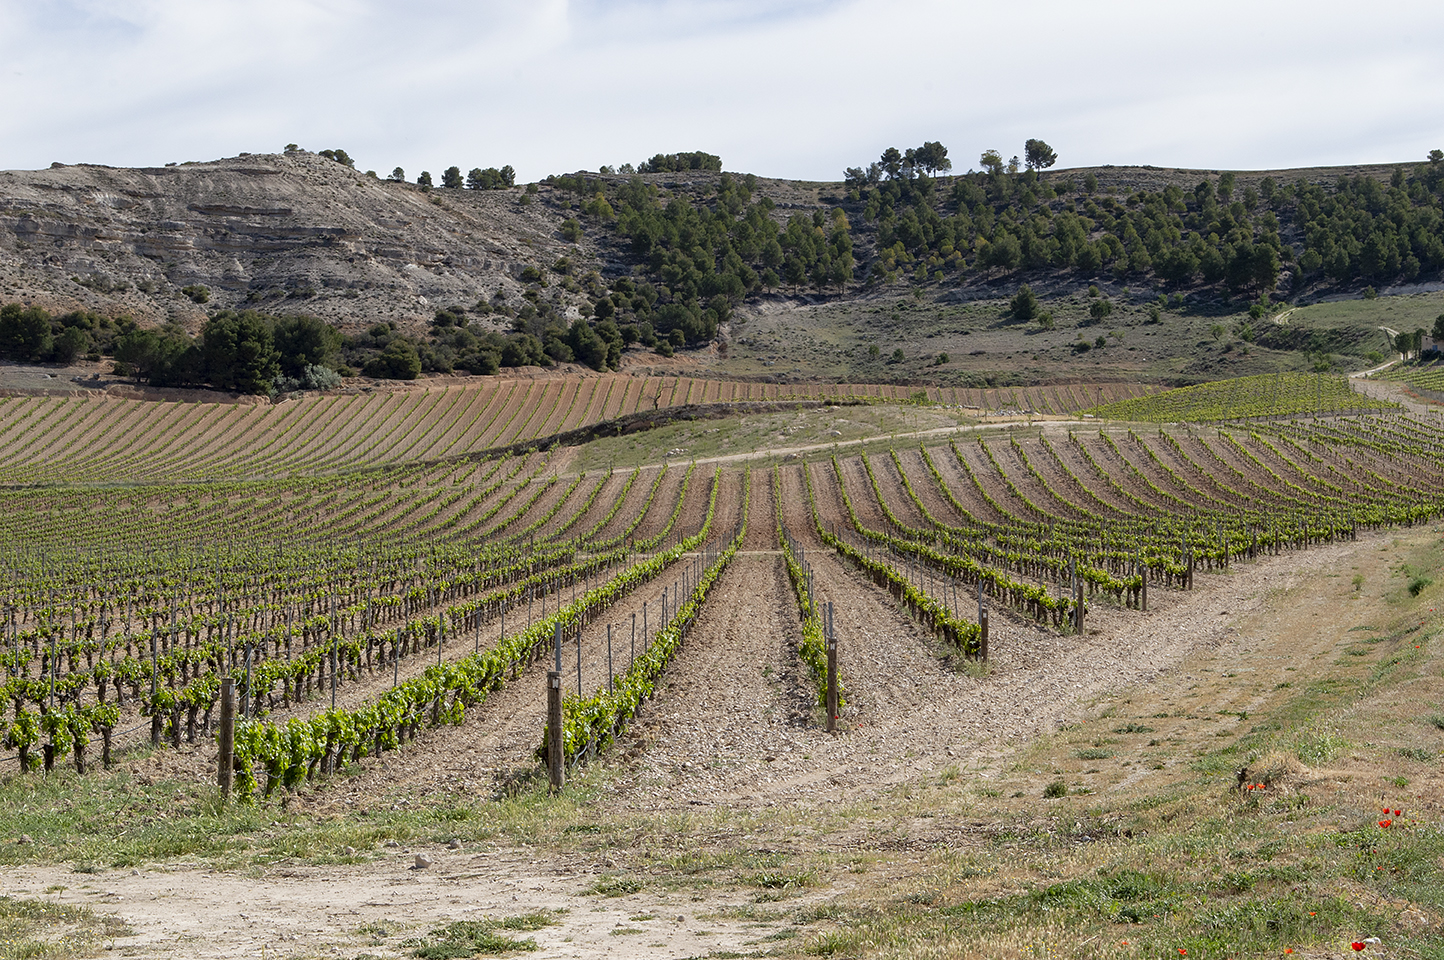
x: 100, y: 439
x: 1243, y: 398
x: 353, y: 610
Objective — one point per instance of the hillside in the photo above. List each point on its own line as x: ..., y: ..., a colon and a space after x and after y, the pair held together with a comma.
x: 286, y: 233
x: 1183, y: 275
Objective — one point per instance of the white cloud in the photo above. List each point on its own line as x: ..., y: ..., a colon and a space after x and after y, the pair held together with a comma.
x: 795, y: 89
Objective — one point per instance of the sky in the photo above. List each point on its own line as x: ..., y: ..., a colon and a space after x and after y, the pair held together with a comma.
x: 797, y: 89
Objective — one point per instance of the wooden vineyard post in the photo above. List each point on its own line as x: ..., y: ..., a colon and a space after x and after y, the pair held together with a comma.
x: 226, y: 738
x: 556, y: 761
x: 1078, y: 607
x: 983, y: 634
x: 556, y: 767
x: 831, y: 672
x: 155, y: 720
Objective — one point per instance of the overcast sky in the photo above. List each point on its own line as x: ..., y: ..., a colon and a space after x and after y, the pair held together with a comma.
x: 790, y: 88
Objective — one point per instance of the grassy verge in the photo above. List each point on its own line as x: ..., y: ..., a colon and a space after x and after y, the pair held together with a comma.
x: 36, y: 930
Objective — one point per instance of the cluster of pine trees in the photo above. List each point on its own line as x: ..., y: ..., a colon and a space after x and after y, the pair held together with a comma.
x: 1001, y: 221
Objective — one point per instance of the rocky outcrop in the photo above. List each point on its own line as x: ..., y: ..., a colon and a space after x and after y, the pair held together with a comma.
x: 288, y: 233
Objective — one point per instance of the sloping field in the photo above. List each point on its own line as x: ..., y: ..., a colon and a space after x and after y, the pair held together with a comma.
x: 90, y: 439
x: 390, y: 631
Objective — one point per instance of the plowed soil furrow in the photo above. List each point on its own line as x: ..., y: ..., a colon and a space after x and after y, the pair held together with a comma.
x: 523, y: 394
x: 1040, y: 494
x: 1254, y: 483
x: 928, y: 489
x: 1176, y: 482
x: 733, y: 701
x: 859, y: 491
x: 1116, y: 469
x: 895, y: 494
x: 729, y: 508
x: 586, y: 409
x: 830, y: 508
x: 1129, y: 453
x: 1290, y: 471
x: 1207, y: 483
x: 1065, y: 486
x: 1088, y: 477
x: 447, y: 435
x: 565, y: 525
x: 991, y: 480
x: 762, y: 522
x: 519, y: 516
x: 636, y: 497
x: 665, y: 502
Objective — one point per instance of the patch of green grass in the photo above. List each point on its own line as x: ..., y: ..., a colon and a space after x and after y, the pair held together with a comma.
x: 782, y: 881
x: 36, y: 930
x: 1057, y: 788
x: 470, y: 938
x: 1133, y: 728
x: 1094, y: 753
x: 609, y: 886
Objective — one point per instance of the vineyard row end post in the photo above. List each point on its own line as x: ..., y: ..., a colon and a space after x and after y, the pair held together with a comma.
x: 831, y: 671
x: 556, y: 763
x: 226, y: 738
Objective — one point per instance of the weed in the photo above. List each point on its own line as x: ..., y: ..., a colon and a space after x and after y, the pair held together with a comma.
x: 1133, y: 728
x: 1058, y: 788
x: 467, y: 938
x: 783, y: 881
x: 615, y: 887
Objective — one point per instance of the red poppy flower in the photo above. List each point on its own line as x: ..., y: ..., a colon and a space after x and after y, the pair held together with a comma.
x: 1397, y: 812
x: 1357, y: 945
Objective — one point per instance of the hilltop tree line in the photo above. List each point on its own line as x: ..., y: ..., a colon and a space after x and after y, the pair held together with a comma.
x: 904, y: 217
x: 489, y: 178
x: 1005, y: 220
x: 698, y: 261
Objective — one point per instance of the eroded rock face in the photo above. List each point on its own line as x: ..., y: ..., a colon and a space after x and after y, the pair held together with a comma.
x: 285, y: 233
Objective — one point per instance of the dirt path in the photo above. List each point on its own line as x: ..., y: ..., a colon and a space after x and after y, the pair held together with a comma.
x: 371, y: 908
